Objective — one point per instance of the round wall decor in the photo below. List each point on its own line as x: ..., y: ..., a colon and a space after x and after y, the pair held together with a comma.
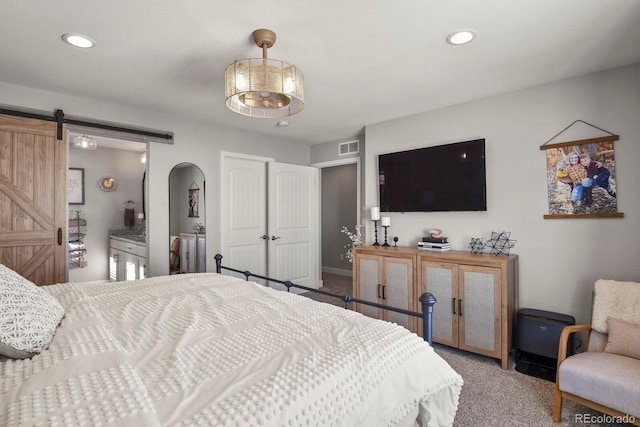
x: 108, y: 183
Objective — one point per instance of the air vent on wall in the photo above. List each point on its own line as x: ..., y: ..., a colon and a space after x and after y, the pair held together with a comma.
x: 349, y: 147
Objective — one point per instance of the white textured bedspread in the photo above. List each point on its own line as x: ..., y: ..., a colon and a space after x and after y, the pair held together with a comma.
x: 213, y: 350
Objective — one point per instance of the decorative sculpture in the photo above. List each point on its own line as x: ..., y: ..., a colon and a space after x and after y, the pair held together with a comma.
x: 500, y: 243
x: 435, y: 232
x: 476, y: 245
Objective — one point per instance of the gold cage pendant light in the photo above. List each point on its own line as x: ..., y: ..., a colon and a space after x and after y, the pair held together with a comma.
x: 262, y: 87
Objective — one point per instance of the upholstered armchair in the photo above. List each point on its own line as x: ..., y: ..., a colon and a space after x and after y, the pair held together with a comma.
x: 607, y: 376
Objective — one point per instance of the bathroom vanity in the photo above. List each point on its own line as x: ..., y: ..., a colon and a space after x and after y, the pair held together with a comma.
x: 127, y: 257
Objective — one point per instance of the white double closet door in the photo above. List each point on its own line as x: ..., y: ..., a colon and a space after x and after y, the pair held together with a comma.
x: 269, y: 219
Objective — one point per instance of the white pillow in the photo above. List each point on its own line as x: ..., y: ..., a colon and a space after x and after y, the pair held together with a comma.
x: 29, y: 316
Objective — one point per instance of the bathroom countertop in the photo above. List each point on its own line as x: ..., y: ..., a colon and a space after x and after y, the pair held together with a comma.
x: 128, y: 236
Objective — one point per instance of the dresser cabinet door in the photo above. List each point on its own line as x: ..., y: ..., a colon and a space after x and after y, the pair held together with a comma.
x: 201, y: 264
x: 480, y: 319
x: 142, y: 267
x: 397, y: 289
x: 369, y: 283
x: 385, y: 280
x: 441, y: 279
x: 130, y: 266
x: 188, y: 253
x: 115, y: 264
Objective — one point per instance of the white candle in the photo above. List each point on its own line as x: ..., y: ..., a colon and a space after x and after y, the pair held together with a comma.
x: 375, y: 214
x: 386, y: 221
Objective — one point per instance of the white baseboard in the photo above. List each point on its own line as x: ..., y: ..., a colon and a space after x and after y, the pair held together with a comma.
x: 338, y: 271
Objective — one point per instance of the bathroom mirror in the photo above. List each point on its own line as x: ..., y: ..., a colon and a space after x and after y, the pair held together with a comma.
x: 187, y: 229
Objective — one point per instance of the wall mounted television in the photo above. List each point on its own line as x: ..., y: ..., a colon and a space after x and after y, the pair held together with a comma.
x: 442, y: 178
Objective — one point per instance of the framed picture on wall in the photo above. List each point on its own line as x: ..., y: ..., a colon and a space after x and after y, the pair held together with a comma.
x: 194, y: 192
x: 581, y: 179
x: 75, y: 186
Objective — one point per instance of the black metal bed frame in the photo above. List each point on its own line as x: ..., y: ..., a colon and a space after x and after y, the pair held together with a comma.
x: 427, y: 300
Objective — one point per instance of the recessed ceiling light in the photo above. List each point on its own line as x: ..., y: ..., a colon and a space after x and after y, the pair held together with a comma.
x: 78, y: 40
x: 461, y: 37
x: 282, y: 124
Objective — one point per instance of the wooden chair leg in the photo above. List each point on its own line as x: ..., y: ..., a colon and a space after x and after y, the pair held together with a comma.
x: 557, y: 406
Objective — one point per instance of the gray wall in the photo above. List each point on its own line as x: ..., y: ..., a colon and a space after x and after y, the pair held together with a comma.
x: 104, y: 210
x: 328, y: 151
x: 560, y: 259
x: 195, y: 142
x: 339, y: 208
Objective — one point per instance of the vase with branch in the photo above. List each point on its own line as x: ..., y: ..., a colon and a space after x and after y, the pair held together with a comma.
x: 355, y: 239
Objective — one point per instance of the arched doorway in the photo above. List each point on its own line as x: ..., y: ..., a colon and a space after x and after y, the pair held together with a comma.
x: 187, y: 245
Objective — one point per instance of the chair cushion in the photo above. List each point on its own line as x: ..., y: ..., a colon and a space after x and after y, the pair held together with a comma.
x: 624, y: 338
x: 608, y: 379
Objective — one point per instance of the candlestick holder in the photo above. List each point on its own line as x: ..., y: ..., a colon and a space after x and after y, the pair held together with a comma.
x: 386, y: 227
x: 375, y: 231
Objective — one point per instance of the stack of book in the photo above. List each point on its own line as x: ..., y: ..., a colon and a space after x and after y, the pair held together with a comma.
x: 434, y: 244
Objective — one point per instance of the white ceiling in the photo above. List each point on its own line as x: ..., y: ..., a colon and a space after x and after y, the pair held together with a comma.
x: 365, y: 61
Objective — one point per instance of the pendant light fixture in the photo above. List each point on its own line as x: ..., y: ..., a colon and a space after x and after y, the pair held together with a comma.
x: 84, y: 142
x: 262, y: 87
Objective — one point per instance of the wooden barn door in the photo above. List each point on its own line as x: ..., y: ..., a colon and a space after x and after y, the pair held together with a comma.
x: 33, y: 201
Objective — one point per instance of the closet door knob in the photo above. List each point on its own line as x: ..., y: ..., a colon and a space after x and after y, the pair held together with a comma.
x: 264, y: 237
x: 275, y: 237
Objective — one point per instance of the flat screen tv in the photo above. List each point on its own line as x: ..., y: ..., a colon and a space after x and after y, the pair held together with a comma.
x: 448, y: 177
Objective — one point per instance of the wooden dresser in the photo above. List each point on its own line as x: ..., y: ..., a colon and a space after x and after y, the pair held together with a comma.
x: 477, y: 294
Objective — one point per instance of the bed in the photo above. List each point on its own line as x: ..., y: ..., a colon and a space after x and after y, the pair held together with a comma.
x: 215, y: 350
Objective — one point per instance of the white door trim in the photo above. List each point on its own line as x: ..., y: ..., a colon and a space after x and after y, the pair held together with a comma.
x: 231, y: 154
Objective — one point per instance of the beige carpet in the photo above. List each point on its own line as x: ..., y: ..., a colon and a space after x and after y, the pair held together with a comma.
x: 335, y: 284
x: 491, y: 396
